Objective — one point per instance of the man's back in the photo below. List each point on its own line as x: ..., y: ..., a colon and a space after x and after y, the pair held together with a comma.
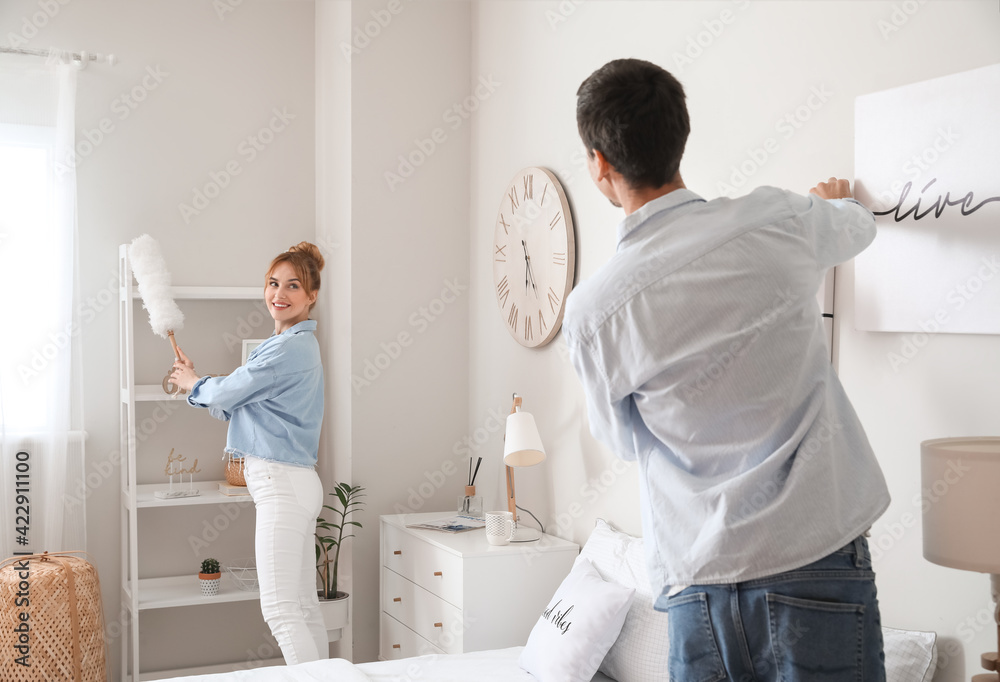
x: 704, y: 334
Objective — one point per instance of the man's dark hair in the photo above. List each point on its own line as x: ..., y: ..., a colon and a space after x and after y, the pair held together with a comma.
x: 633, y: 112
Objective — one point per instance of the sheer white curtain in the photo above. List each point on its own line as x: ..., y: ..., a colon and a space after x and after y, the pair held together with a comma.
x: 41, y: 417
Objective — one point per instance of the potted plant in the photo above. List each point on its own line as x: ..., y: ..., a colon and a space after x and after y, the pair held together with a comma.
x: 330, y: 536
x: 210, y: 577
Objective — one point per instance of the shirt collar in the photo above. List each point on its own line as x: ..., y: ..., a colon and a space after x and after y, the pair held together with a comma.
x: 669, y: 201
x: 304, y: 326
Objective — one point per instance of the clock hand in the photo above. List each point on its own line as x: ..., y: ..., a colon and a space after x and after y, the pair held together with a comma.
x: 530, y: 274
x: 527, y: 267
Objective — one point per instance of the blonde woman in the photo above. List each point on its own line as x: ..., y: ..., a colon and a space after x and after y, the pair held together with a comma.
x: 274, y: 406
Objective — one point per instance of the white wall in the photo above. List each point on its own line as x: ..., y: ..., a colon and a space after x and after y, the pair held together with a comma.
x: 220, y: 80
x: 333, y: 229
x: 759, y: 67
x: 405, y: 399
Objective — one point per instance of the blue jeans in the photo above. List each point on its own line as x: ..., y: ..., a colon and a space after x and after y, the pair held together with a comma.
x: 818, y: 623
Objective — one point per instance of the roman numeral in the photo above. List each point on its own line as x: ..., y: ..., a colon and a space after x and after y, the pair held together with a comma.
x: 503, y: 291
x: 513, y: 199
x: 541, y: 202
x: 556, y: 219
x: 500, y: 252
x: 512, y: 318
x: 541, y: 323
x: 528, y: 189
x: 506, y: 227
x: 528, y: 334
x: 559, y: 258
x: 553, y: 299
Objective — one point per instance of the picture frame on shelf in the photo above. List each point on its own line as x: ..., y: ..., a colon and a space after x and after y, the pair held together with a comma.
x: 248, y: 347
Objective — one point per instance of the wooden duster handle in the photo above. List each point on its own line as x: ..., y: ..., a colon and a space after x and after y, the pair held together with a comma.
x: 170, y: 336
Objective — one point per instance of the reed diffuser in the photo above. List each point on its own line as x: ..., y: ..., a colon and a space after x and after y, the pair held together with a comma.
x: 471, y: 504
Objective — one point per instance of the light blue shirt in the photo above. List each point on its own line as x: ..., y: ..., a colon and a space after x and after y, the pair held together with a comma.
x: 273, y: 403
x: 702, y: 354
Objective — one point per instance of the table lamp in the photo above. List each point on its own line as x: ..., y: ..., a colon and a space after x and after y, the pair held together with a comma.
x: 522, y: 447
x: 961, y: 514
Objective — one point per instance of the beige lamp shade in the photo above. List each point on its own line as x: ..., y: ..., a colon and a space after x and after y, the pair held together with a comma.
x: 522, y: 445
x: 960, y: 497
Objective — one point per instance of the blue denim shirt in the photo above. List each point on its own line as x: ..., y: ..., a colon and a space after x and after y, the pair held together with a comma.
x: 273, y: 403
x: 702, y: 353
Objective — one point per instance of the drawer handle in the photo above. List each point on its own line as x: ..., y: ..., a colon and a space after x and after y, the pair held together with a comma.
x: 397, y: 599
x: 438, y: 573
x: 397, y: 552
x: 439, y: 625
x: 395, y: 646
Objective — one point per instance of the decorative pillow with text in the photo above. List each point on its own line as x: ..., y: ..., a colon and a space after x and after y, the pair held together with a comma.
x: 576, y: 629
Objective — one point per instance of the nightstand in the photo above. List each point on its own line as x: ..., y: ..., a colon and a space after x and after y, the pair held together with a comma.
x: 448, y: 593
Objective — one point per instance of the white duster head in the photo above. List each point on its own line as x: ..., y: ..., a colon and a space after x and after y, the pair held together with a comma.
x: 151, y: 273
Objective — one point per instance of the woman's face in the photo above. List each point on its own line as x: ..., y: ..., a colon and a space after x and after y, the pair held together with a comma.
x: 286, y: 300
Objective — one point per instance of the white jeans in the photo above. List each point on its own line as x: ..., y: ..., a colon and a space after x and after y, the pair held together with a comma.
x: 288, y: 499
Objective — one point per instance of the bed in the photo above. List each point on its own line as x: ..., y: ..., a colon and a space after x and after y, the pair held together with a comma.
x: 616, y: 636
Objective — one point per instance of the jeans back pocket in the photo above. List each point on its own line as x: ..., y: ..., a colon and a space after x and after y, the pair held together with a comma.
x: 818, y: 641
x: 694, y: 653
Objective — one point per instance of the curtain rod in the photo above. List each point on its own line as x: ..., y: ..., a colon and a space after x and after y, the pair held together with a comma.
x: 82, y: 56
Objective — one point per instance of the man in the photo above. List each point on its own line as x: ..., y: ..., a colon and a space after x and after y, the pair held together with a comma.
x: 702, y: 353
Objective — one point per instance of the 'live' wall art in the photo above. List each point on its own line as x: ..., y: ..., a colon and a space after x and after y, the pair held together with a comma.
x: 927, y: 162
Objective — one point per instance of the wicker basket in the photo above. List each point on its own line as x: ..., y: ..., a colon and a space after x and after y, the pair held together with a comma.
x: 234, y: 472
x: 51, y: 619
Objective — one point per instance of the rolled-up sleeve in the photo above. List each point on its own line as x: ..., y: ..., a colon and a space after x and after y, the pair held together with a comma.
x: 839, y: 229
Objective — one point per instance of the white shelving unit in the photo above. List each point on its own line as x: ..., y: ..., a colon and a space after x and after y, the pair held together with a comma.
x: 144, y: 594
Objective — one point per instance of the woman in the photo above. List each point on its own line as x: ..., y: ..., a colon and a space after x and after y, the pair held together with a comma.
x: 274, y: 406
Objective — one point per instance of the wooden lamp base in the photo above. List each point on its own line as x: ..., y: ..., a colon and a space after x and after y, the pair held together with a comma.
x: 989, y: 662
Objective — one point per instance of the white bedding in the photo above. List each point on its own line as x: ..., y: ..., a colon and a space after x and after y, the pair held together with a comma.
x: 496, y: 665
x: 331, y: 669
x: 909, y: 657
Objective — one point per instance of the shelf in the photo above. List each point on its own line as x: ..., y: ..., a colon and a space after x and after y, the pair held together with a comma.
x: 213, y: 293
x: 184, y: 590
x: 141, y: 596
x: 151, y: 393
x: 209, y: 495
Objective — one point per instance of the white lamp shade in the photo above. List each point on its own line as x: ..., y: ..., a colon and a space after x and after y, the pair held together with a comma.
x: 960, y: 498
x: 522, y: 445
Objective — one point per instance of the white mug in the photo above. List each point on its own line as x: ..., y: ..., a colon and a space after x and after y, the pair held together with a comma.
x: 499, y: 527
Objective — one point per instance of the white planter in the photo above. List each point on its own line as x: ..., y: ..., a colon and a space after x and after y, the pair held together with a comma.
x: 210, y: 588
x: 336, y: 614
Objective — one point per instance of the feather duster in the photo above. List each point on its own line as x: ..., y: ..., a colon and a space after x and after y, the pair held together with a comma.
x: 151, y: 273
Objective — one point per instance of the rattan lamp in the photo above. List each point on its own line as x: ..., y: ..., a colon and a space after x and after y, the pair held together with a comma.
x: 522, y: 447
x: 962, y: 515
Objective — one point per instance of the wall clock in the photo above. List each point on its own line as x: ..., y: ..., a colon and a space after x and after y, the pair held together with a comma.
x: 534, y: 256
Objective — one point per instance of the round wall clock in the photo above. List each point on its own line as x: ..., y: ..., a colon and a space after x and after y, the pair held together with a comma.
x: 534, y: 256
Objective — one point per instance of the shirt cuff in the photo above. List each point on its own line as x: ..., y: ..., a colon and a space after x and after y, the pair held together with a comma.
x: 855, y: 201
x: 194, y: 389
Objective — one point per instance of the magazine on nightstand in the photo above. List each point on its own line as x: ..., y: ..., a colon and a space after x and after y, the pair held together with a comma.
x: 452, y: 524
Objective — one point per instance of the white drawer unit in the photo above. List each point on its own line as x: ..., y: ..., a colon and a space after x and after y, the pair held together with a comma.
x: 454, y: 592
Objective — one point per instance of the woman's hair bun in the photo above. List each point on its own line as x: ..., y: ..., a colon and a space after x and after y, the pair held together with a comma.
x: 311, y: 251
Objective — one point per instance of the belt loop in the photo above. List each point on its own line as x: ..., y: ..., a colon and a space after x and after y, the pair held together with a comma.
x: 858, y: 552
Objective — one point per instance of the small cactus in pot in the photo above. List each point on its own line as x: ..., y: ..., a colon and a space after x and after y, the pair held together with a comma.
x: 210, y: 577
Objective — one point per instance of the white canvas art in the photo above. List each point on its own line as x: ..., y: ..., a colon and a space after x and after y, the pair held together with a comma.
x: 927, y: 162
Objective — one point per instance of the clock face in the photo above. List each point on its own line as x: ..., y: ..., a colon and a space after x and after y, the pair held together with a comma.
x: 534, y: 256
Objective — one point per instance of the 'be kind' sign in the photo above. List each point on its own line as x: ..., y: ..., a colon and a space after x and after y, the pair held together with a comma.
x: 927, y: 162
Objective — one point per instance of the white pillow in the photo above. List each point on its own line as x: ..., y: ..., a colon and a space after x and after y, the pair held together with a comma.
x: 910, y: 655
x: 640, y: 653
x: 577, y: 628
